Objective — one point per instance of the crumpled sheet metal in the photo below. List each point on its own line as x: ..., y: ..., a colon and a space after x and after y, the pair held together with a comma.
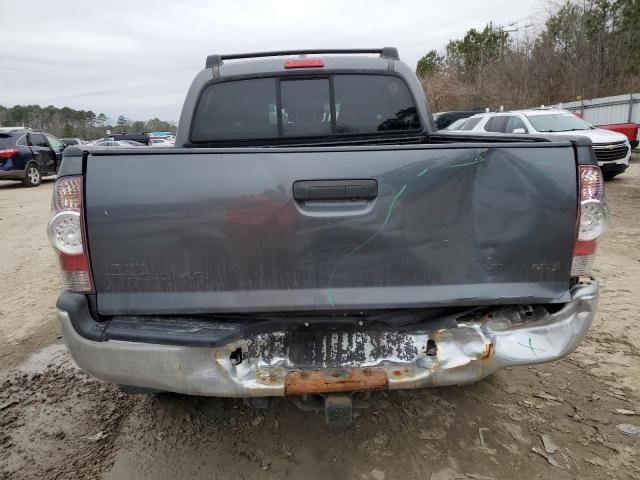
x: 465, y: 354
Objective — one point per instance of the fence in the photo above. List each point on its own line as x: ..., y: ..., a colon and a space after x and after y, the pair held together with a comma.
x: 616, y: 109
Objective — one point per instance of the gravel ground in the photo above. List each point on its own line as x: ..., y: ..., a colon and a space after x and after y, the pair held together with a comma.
x: 552, y: 421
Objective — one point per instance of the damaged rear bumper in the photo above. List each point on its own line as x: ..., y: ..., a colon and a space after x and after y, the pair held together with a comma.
x: 332, y: 359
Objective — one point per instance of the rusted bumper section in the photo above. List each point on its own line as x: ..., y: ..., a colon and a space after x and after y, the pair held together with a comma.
x: 324, y: 360
x: 300, y: 382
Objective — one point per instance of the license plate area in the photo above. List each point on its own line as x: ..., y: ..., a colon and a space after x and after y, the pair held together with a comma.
x: 345, y: 348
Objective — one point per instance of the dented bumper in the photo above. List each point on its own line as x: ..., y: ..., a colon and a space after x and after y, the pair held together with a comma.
x: 329, y: 359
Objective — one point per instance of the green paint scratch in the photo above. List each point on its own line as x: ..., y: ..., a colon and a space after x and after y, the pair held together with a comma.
x: 543, y: 162
x: 363, y: 244
x: 423, y: 172
x: 330, y: 297
x: 464, y: 164
x: 393, y: 202
x: 479, y: 158
x: 532, y: 348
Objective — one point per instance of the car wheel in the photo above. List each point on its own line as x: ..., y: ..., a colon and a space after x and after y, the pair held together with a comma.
x: 32, y: 177
x: 608, y: 176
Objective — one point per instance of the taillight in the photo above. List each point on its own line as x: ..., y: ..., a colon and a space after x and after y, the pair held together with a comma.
x: 8, y: 152
x: 66, y: 234
x: 304, y: 63
x: 592, y: 219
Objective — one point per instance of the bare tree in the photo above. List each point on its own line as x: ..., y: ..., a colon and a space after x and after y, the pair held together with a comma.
x: 580, y: 49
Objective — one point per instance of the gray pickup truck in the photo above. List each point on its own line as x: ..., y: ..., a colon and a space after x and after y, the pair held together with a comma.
x: 313, y: 234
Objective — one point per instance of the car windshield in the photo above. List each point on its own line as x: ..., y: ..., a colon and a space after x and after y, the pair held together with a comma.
x: 457, y: 125
x: 558, y: 122
x: 470, y: 123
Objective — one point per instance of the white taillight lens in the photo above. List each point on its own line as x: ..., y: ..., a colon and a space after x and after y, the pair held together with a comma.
x: 582, y: 265
x: 76, y: 276
x: 66, y: 234
x: 67, y: 194
x: 592, y: 219
x: 591, y: 184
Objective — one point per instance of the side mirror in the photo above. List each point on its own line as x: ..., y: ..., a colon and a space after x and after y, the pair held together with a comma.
x: 518, y: 130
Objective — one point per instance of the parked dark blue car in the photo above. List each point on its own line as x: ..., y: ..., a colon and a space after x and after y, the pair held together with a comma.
x: 27, y: 155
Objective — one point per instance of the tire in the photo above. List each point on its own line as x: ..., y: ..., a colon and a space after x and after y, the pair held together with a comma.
x: 32, y: 176
x: 608, y: 176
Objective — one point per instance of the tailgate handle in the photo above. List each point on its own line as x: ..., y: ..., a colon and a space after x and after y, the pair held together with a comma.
x: 309, y: 190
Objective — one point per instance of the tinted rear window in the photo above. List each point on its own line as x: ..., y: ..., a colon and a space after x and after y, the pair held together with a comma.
x: 5, y: 141
x: 306, y: 107
x: 237, y: 110
x: 369, y: 104
x: 272, y: 108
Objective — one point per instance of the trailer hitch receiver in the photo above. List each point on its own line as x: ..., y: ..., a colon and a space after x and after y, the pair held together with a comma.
x: 338, y: 410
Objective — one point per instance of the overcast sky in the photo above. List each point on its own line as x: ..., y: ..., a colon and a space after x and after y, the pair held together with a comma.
x: 137, y: 58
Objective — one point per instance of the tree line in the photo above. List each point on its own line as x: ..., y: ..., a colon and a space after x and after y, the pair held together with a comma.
x: 67, y: 122
x: 580, y: 50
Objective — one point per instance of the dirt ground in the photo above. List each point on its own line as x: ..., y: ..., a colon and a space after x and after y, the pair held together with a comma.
x: 555, y: 421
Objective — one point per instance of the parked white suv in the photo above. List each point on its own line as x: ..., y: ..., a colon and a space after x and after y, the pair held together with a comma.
x: 612, y: 149
x: 160, y: 142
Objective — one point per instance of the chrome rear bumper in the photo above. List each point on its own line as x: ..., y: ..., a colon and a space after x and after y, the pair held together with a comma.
x: 266, y: 364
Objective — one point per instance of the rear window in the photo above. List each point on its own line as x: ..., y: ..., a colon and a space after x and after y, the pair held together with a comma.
x: 5, y: 141
x: 306, y: 107
x: 273, y: 108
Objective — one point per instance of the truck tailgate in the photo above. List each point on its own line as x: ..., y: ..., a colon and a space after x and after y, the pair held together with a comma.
x: 186, y: 231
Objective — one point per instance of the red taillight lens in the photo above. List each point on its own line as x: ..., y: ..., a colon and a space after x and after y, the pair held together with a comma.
x: 66, y: 234
x: 8, y: 152
x: 592, y: 219
x: 304, y: 63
